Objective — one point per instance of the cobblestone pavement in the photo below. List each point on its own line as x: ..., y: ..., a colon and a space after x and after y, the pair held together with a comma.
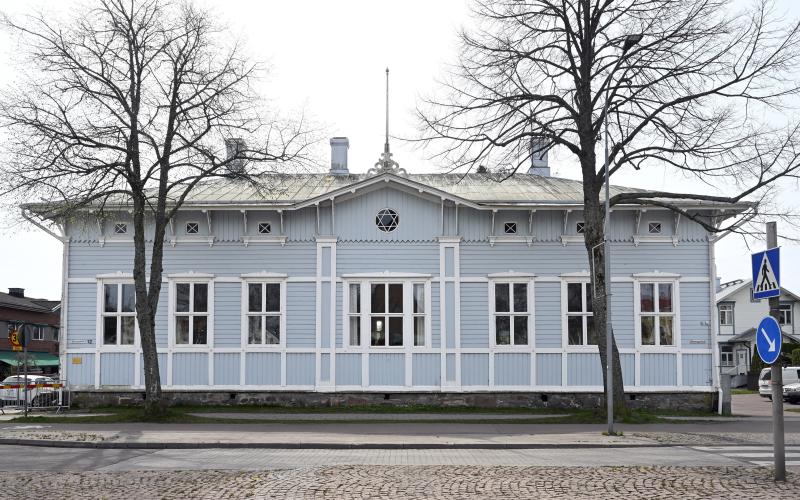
x: 349, y: 482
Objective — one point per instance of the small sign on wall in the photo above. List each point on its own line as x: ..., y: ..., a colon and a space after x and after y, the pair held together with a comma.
x: 77, y: 361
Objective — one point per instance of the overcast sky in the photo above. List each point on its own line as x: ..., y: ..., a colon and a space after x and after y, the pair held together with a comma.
x: 329, y: 59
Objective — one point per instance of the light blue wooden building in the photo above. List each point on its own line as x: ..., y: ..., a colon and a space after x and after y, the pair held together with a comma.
x: 393, y: 282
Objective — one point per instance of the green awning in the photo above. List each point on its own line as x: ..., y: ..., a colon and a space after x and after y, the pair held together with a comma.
x: 35, y: 358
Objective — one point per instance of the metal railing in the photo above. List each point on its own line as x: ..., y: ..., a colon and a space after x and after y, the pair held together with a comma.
x: 36, y: 395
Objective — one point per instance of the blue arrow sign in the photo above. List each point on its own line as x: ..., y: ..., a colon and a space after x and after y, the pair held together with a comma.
x: 766, y: 274
x: 769, y: 340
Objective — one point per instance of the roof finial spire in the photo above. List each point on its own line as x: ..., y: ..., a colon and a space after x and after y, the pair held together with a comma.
x: 385, y: 164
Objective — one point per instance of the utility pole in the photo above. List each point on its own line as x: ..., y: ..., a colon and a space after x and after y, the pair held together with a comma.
x: 778, y: 449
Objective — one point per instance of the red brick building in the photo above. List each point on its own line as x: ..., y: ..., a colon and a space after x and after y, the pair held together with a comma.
x: 45, y: 316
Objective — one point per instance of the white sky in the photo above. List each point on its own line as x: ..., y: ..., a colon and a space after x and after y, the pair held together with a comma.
x: 329, y: 58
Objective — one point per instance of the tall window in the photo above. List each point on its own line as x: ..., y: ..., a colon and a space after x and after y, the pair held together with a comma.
x: 191, y: 313
x: 580, y: 318
x: 726, y: 314
x: 785, y: 314
x: 418, y: 314
x: 656, y: 314
x: 354, y: 314
x: 386, y: 314
x: 511, y: 316
x: 38, y: 333
x: 264, y: 311
x: 726, y: 355
x: 119, y: 314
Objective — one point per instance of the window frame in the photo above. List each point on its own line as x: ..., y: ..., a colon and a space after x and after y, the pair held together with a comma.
x: 245, y: 313
x: 675, y: 313
x: 365, y: 315
x: 267, y: 224
x: 493, y: 313
x: 723, y: 353
x: 38, y: 333
x: 193, y: 279
x: 101, y: 314
x: 727, y: 308
x: 585, y: 283
x: 580, y: 227
x: 186, y: 228
x: 510, y: 228
x: 783, y: 308
x: 655, y: 224
x: 118, y: 225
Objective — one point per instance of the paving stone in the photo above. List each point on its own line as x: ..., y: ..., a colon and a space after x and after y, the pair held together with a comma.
x: 434, y: 482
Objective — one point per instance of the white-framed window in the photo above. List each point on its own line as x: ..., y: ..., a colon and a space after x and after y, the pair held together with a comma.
x: 726, y: 355
x: 264, y: 228
x: 191, y: 316
x: 654, y: 227
x: 387, y: 220
x: 118, y: 314
x: 264, y: 312
x: 387, y: 313
x: 726, y: 314
x: 510, y: 228
x: 121, y: 228
x: 192, y: 227
x: 38, y: 332
x: 580, y: 227
x: 785, y: 315
x: 511, y: 317
x: 580, y: 318
x: 657, y: 325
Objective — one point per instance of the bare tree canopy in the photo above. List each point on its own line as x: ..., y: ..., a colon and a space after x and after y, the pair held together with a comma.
x: 135, y: 102
x: 688, y: 84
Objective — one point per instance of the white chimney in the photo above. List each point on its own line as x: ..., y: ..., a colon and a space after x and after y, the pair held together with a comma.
x: 233, y: 147
x: 339, y: 147
x: 539, y: 165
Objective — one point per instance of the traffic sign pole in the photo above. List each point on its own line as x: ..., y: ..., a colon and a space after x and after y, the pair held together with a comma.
x: 779, y: 450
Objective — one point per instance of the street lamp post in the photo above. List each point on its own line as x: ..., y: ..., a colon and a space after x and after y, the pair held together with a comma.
x: 630, y: 41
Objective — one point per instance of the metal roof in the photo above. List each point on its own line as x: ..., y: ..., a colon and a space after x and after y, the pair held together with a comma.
x: 27, y: 303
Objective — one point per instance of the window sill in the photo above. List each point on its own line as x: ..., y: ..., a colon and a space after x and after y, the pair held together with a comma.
x: 652, y: 238
x: 263, y: 238
x: 510, y: 239
x: 572, y: 238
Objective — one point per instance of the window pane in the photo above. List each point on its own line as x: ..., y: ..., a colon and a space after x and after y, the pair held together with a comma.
x: 128, y: 330
x: 520, y: 330
x: 419, y: 330
x: 502, y: 327
x: 395, y: 330
x: 110, y: 298
x: 574, y: 297
x: 520, y: 297
x: 182, y: 297
x: 665, y: 330
x: 590, y: 331
x: 419, y: 298
x: 273, y: 330
x: 378, y: 298
x: 182, y: 330
x: 355, y: 331
x: 355, y: 298
x: 575, y: 330
x: 200, y: 330
x: 646, y: 296
x: 110, y: 330
x: 588, y: 288
x: 273, y: 297
x: 254, y: 297
x: 665, y: 297
x: 200, y: 297
x: 378, y: 330
x: 648, y: 330
x: 128, y: 298
x: 254, y: 329
x: 395, y: 298
x: 501, y: 300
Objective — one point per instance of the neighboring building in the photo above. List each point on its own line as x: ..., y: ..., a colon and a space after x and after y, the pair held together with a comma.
x: 739, y: 314
x: 44, y: 315
x: 390, y: 282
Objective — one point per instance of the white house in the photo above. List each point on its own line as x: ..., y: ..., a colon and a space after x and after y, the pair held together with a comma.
x: 739, y: 314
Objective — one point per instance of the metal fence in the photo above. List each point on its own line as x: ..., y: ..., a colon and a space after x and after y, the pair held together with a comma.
x: 39, y: 394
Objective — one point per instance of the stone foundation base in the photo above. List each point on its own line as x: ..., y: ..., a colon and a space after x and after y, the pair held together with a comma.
x: 683, y: 401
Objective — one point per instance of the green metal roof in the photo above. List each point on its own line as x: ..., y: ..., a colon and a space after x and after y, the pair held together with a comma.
x: 37, y: 358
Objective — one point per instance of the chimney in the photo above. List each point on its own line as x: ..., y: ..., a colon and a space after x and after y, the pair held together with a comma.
x: 539, y: 165
x: 233, y: 147
x: 339, y: 146
x: 17, y: 292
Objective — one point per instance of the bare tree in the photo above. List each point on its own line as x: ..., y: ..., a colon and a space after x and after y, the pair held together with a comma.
x: 130, y: 103
x: 698, y: 88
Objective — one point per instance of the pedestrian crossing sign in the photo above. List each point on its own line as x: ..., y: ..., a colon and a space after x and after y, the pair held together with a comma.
x: 766, y: 274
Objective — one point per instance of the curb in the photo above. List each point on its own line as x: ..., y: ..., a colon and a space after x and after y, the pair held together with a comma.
x: 322, y: 446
